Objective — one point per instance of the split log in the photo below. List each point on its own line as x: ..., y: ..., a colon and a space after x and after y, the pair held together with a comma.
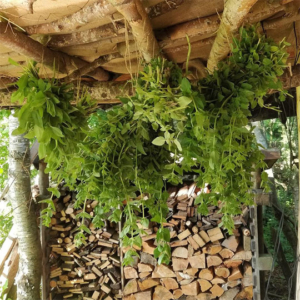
x: 131, y: 287
x: 213, y: 261
x: 191, y: 289
x: 205, y: 285
x: 169, y: 283
x: 207, y: 274
x: 148, y: 283
x: 222, y: 271
x: 180, y: 252
x: 161, y: 292
x: 163, y: 271
x: 217, y: 291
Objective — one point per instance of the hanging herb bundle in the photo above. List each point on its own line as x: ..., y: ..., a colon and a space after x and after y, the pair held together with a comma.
x: 125, y: 157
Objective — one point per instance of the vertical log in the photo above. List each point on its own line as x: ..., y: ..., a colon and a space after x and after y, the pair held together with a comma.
x: 29, y: 274
x: 43, y: 186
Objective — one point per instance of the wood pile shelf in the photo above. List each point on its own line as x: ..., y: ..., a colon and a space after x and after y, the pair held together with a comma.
x: 206, y: 262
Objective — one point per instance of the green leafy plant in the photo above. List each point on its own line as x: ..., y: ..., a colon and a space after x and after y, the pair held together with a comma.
x: 4, y: 114
x: 3, y: 293
x: 124, y: 157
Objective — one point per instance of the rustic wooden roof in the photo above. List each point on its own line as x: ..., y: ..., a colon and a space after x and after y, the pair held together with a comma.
x: 89, y: 30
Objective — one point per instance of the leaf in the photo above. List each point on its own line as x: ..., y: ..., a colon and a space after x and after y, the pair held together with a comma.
x: 140, y: 148
x: 159, y: 141
x: 13, y: 62
x: 186, y: 86
x: 42, y: 150
x: 184, y: 101
x: 54, y: 191
x: 176, y: 142
x: 57, y: 131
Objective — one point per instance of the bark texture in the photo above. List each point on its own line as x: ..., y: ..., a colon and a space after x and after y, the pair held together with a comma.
x: 21, y: 43
x: 235, y: 11
x: 25, y: 4
x: 208, y: 26
x: 29, y: 273
x: 87, y: 36
x: 90, y: 13
x: 135, y: 14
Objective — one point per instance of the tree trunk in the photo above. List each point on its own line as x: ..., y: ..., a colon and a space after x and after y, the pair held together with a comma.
x: 29, y: 273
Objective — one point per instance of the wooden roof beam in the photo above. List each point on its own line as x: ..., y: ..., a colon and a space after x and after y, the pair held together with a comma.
x: 24, y: 4
x: 235, y: 12
x: 108, y: 92
x: 63, y: 63
x: 205, y: 27
x: 136, y: 16
x: 89, y: 13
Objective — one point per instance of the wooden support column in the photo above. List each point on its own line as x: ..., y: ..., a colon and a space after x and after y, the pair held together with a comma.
x: 43, y: 187
x: 298, y: 248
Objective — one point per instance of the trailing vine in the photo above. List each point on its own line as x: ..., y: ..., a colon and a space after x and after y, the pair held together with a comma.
x: 124, y: 157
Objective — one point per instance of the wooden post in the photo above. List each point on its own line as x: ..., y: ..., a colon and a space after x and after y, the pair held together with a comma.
x: 298, y: 247
x: 43, y: 186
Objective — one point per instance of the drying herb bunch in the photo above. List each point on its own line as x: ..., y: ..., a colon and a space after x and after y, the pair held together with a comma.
x: 127, y: 155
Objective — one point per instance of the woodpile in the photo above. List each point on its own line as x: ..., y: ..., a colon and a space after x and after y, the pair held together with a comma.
x: 206, y: 263
x: 90, y: 272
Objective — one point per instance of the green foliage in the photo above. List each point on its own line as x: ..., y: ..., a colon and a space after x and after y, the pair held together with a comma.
x: 49, y: 115
x: 4, y: 114
x: 170, y: 126
x: 286, y: 172
x: 3, y: 293
x: 6, y: 223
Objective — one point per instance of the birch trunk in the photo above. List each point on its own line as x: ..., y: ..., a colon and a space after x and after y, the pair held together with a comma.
x: 29, y: 274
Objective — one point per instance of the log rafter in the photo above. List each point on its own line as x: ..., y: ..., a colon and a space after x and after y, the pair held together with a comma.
x: 235, y: 12
x: 21, y: 43
x: 136, y: 16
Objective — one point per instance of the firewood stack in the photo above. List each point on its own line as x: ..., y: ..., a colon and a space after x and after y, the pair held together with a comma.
x: 90, y: 272
x: 206, y: 263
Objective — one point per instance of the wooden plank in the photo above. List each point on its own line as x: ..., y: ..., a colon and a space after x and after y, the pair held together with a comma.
x: 10, y: 268
x: 298, y: 247
x: 7, y: 247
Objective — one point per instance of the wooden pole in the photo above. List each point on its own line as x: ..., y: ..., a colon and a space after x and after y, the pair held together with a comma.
x: 43, y: 186
x: 298, y: 247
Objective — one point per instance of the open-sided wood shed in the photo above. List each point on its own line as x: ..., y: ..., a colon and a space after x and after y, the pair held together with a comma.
x: 102, y: 44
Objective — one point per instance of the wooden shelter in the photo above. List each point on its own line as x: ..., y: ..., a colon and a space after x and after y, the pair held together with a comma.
x: 103, y: 43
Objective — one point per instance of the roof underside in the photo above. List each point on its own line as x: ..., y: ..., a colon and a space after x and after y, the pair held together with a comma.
x: 90, y: 29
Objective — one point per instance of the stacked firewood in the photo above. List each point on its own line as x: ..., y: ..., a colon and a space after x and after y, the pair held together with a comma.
x: 90, y: 272
x: 206, y: 262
